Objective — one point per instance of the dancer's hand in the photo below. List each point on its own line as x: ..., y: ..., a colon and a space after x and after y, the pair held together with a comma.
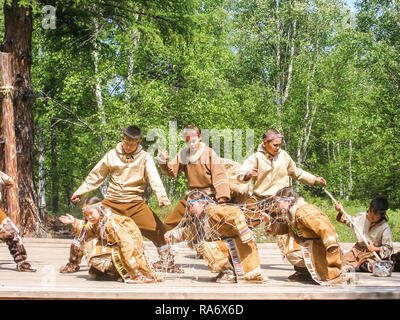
x: 339, y: 207
x: 75, y: 198
x: 264, y: 217
x: 168, y: 237
x: 67, y: 219
x: 164, y: 203
x: 223, y: 200
x: 252, y: 173
x: 163, y: 156
x: 372, y: 248
x: 320, y: 180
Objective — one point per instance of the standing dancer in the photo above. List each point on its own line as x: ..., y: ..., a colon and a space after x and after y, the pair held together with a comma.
x: 203, y: 169
x: 129, y: 167
x: 271, y: 168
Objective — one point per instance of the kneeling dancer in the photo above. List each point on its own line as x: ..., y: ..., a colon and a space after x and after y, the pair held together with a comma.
x: 123, y: 255
x: 10, y: 234
x: 310, y: 228
x: 222, y: 237
x: 375, y: 228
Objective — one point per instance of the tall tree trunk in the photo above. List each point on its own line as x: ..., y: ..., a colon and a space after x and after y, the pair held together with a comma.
x: 350, y: 169
x: 97, y: 88
x: 17, y: 41
x: 284, y: 74
x: 42, y: 179
x: 309, y: 116
x: 99, y: 97
x: 54, y: 178
x: 135, y: 41
x: 278, y: 60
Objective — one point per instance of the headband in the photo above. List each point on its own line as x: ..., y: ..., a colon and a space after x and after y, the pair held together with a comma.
x: 191, y: 135
x: 91, y: 206
x: 273, y: 137
x: 193, y: 201
x: 285, y: 199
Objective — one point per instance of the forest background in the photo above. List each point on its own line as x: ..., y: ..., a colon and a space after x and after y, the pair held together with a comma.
x: 325, y: 74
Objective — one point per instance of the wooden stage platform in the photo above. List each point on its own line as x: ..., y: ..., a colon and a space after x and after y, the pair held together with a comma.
x: 48, y: 255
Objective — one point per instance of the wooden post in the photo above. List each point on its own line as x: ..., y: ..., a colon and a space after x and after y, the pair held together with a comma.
x: 10, y: 151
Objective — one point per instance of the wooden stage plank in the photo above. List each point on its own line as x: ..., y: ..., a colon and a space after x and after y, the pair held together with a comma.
x: 48, y: 255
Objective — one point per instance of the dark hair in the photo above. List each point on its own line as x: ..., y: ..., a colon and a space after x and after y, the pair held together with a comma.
x: 196, y: 195
x: 132, y: 132
x: 286, y: 192
x: 190, y: 126
x: 191, y: 129
x: 92, y: 200
x: 270, y: 132
x: 379, y: 205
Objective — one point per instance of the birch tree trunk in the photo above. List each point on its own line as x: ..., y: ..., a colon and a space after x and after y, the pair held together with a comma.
x: 42, y: 179
x: 339, y: 169
x: 284, y: 74
x: 350, y: 189
x: 130, y: 80
x: 278, y: 61
x: 99, y: 97
x: 309, y: 116
x: 54, y: 178
x: 97, y: 89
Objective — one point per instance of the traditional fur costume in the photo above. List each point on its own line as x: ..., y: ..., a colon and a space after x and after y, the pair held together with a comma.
x: 312, y: 230
x: 119, y: 252
x: 128, y: 175
x: 224, y: 240
x: 378, y: 233
x: 10, y: 234
x: 273, y: 172
x: 204, y: 171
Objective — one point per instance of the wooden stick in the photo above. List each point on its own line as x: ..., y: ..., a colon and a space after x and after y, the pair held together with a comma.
x: 354, y: 225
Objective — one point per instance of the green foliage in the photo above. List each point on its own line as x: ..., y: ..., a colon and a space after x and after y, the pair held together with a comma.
x: 224, y: 65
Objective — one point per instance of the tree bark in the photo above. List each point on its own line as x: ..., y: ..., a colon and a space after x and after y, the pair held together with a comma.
x: 99, y: 97
x: 10, y: 150
x: 309, y: 116
x: 42, y: 178
x: 350, y: 189
x: 54, y: 179
x: 17, y: 41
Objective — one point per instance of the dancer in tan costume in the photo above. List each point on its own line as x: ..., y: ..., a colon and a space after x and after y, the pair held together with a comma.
x: 203, y: 169
x: 129, y: 167
x: 223, y: 237
x: 310, y: 228
x: 271, y: 169
x: 122, y: 254
x: 376, y: 230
